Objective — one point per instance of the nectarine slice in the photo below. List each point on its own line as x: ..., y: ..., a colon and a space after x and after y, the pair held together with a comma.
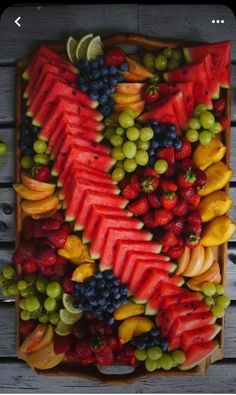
x: 130, y: 88
x: 196, y: 261
x: 32, y: 340
x: 41, y: 206
x: 46, y: 340
x: 83, y: 272
x: 134, y: 326
x: 45, y: 358
x: 28, y: 194
x: 138, y: 69
x: 136, y: 106
x: 183, y: 261
x: 128, y: 310
x: 126, y: 98
x: 36, y: 185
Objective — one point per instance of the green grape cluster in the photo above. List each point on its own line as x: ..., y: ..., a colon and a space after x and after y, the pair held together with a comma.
x: 8, y: 281
x: 215, y: 298
x: 168, y: 58
x: 154, y: 358
x: 202, y: 127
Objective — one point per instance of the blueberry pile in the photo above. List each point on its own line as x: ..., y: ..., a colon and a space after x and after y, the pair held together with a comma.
x: 28, y: 135
x: 150, y: 339
x: 164, y: 137
x: 99, y: 81
x: 100, y: 294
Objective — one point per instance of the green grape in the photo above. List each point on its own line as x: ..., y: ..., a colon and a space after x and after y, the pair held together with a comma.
x: 158, y: 364
x: 40, y: 147
x: 218, y: 311
x: 146, y: 134
x: 141, y: 157
x: 54, y: 318
x: 3, y: 148
x: 22, y: 285
x: 130, y: 111
x: 53, y: 289
x: 129, y: 149
x: 166, y: 361
x: 154, y: 353
x: 120, y: 131
x: 118, y: 174
x: 207, y: 119
x: 160, y: 62
x: 173, y: 64
x: 150, y: 365
x: 2, y: 280
x: 223, y: 301
x: 109, y: 132
x: 209, y: 301
x: 41, y: 159
x: 116, y: 140
x: 50, y: 304
x: 143, y: 145
x: 194, y: 123
x: 220, y: 289
x: 30, y: 278
x: 41, y: 284
x: 205, y: 137
x: 209, y: 289
x: 13, y: 290
x: 132, y: 133
x: 216, y: 128
x: 5, y: 291
x: 140, y: 355
x: 137, y: 125
x: 148, y: 60
x: 26, y: 162
x: 29, y: 291
x: 9, y: 272
x: 178, y: 356
x: 117, y: 153
x: 22, y: 304
x: 177, y: 54
x: 130, y: 165
x: 167, y: 52
x: 126, y: 120
x: 192, y: 135
x: 44, y: 318
x: 199, y: 109
x: 120, y: 164
x: 25, y: 315
x: 32, y: 303
x: 161, y: 166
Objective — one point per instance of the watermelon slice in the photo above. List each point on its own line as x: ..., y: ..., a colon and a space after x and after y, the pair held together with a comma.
x: 197, y: 353
x: 165, y: 289
x: 220, y: 53
x: 183, y: 298
x: 126, y: 249
x: 167, y: 90
x: 199, y: 335
x: 189, y: 322
x: 103, y: 225
x: 92, y: 197
x: 95, y: 212
x: 113, y: 236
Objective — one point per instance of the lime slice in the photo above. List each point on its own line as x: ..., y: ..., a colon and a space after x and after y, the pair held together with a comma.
x: 69, y: 318
x: 82, y: 46
x: 71, y: 45
x: 63, y: 329
x: 68, y: 301
x: 95, y: 48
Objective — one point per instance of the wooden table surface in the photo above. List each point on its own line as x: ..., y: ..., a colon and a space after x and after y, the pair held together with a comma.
x: 42, y: 23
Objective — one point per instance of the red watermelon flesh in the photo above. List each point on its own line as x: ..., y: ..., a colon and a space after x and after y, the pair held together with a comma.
x: 70, y: 105
x: 139, y: 267
x: 168, y: 300
x: 191, y: 321
x: 198, y: 352
x: 126, y: 249
x: 220, y: 53
x: 95, y: 212
x: 199, y: 335
x: 211, y: 77
x: 91, y: 198
x: 165, y: 289
x: 103, y: 225
x: 167, y: 90
x: 113, y: 236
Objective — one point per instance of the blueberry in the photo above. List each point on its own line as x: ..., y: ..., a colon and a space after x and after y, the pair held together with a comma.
x: 100, y: 61
x: 167, y: 142
x: 84, y: 64
x: 113, y: 81
x: 112, y: 70
x: 116, y: 281
x: 119, y: 77
x: 110, y: 320
x: 157, y: 341
x: 108, y: 274
x: 124, y: 67
x: 77, y: 305
x: 156, y: 130
x: 94, y: 95
x: 111, y: 101
x: 6, y: 208
x: 3, y: 226
x: 177, y: 143
x: 98, y: 316
x: 155, y: 332
x: 123, y: 300
x: 94, y: 64
x: 151, y: 152
x: 140, y: 344
x: 116, y: 303
x: 83, y: 87
x: 101, y: 283
x: 171, y: 128
x: 102, y: 301
x: 104, y: 71
x: 96, y: 74
x: 155, y: 144
x: 93, y: 301
x: 164, y: 344
x: 151, y: 162
x: 153, y: 123
x: 123, y: 289
x: 103, y: 99
x: 109, y: 309
x: 98, y: 275
x: 151, y: 342
x: 106, y: 110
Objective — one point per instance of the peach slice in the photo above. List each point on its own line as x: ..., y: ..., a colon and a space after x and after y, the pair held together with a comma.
x: 124, y: 98
x: 128, y: 76
x: 32, y: 340
x: 83, y: 272
x: 36, y: 185
x: 134, y: 326
x: 41, y: 206
x: 183, y: 261
x: 130, y: 88
x: 208, y: 260
x: 46, y: 340
x: 195, y: 263
x: 138, y: 69
x: 136, y: 106
x: 26, y: 193
x: 45, y: 358
x: 212, y: 275
x: 128, y: 310
x: 47, y: 214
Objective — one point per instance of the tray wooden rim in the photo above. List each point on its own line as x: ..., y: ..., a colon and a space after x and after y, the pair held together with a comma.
x: 149, y: 43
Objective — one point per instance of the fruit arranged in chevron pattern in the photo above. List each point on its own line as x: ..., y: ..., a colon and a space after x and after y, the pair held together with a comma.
x: 122, y: 190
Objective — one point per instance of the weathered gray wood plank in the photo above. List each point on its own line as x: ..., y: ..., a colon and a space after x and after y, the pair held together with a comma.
x: 7, y: 195
x: 232, y: 212
x: 57, y: 23
x: 7, y: 162
x: 7, y: 94
x: 188, y: 22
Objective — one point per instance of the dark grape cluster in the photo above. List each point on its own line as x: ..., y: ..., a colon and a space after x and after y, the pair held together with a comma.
x: 99, y: 81
x: 28, y: 135
x: 100, y: 294
x: 150, y: 339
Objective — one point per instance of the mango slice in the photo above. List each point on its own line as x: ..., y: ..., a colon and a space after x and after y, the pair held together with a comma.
x: 36, y: 185
x: 29, y: 194
x: 218, y: 231
x: 218, y: 175
x: 214, y: 205
x: 205, y: 155
x: 128, y: 310
x: 84, y: 271
x: 41, y: 206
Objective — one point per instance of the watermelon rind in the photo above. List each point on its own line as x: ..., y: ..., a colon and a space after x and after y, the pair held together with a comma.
x: 208, y: 348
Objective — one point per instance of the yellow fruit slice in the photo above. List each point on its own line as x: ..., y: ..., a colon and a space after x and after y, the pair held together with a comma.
x: 218, y: 175
x: 218, y: 231
x: 32, y: 340
x: 83, y: 272
x: 128, y: 310
x: 183, y: 261
x: 36, y: 185
x: 134, y: 326
x: 82, y: 46
x: 68, y: 303
x: 130, y: 88
x: 46, y: 340
x: 208, y: 260
x: 45, y: 358
x: 212, y: 275
x: 205, y: 155
x: 124, y: 98
x: 95, y: 48
x: 41, y: 206
x: 195, y: 263
x: 138, y: 69
x: 28, y: 194
x: 216, y: 204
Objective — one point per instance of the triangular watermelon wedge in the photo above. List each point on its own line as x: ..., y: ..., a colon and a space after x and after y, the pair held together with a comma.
x: 198, y: 353
x: 167, y: 90
x: 165, y: 289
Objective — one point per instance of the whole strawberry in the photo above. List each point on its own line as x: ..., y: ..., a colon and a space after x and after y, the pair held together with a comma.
x: 46, y: 256
x: 192, y: 240
x: 54, y: 222
x: 186, y: 164
x: 151, y: 94
x: 130, y: 192
x: 168, y: 200
x: 41, y: 173
x: 149, y: 220
x: 176, y: 226
x: 175, y: 252
x: 186, y: 178
x: 168, y: 185
x: 114, y: 56
x: 58, y: 237
x: 194, y: 228
x: 153, y: 200
x: 162, y: 216
x: 180, y: 208
x: 219, y: 106
x: 139, y: 207
x: 185, y: 151
x: 168, y: 240
x: 187, y: 194
x: 201, y: 178
x: 194, y: 217
x: 224, y: 121
x: 166, y: 153
x: 30, y: 266
x: 149, y: 184
x: 28, y: 228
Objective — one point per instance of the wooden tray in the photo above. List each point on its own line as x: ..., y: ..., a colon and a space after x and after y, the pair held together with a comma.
x: 74, y: 369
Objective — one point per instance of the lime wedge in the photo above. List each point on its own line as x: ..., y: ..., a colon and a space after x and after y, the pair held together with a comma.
x: 69, y: 318
x: 82, y: 46
x: 71, y: 45
x: 95, y: 48
x: 68, y: 301
x: 63, y: 329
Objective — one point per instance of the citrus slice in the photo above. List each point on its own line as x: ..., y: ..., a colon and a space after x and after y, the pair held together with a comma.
x: 63, y: 329
x: 82, y: 46
x: 95, y: 48
x: 71, y: 45
x: 69, y: 318
x: 68, y: 301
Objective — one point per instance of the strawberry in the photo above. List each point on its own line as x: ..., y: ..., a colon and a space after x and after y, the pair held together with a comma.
x: 185, y: 151
x: 168, y: 240
x: 53, y: 223
x: 168, y: 185
x: 58, y: 237
x: 24, y: 252
x: 150, y: 184
x: 41, y: 173
x: 194, y: 228
x: 130, y: 192
x: 26, y: 327
x: 168, y: 200
x: 47, y: 256
x: 187, y: 194
x: 194, y: 217
x: 88, y: 360
x: 62, y: 343
x: 105, y: 359
x: 67, y: 285
x: 149, y: 220
x: 219, y: 106
x: 114, y: 56
x: 72, y: 356
x: 180, y: 242
x: 47, y: 271
x: 149, y: 172
x: 153, y: 200
x: 175, y: 252
x: 139, y: 207
x: 186, y: 178
x: 135, y: 182
x: 224, y: 121
x: 176, y: 226
x: 30, y: 266
x: 80, y: 330
x: 185, y: 164
x: 194, y: 200
x: 166, y: 153
x: 151, y: 94
x: 28, y: 228
x: 83, y: 348
x: 162, y: 217
x: 171, y: 171
x: 201, y: 178
x: 180, y: 208
x: 192, y: 240
x: 39, y: 232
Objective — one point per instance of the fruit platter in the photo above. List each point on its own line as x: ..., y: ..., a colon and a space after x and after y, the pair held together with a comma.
x: 122, y: 207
